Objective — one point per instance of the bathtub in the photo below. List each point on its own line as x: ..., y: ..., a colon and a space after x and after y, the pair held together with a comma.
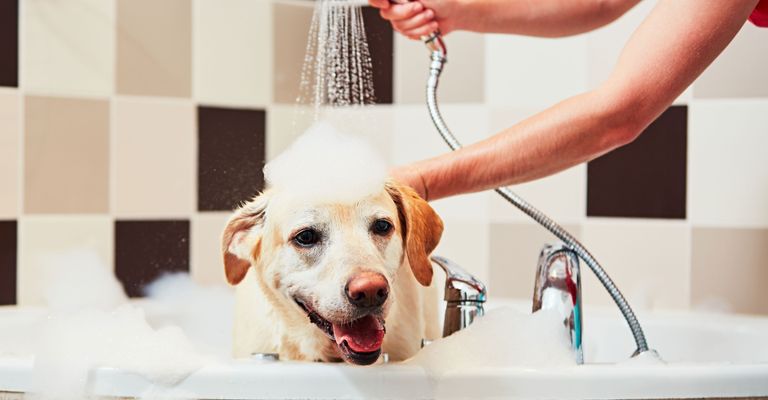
x: 707, y: 356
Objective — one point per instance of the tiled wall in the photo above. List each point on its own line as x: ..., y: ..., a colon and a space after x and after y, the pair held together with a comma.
x: 132, y: 127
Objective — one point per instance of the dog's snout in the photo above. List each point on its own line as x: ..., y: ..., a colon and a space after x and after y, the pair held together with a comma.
x: 367, y: 289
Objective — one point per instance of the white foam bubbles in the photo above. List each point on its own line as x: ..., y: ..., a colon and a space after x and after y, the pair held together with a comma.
x: 505, y: 337
x: 329, y: 166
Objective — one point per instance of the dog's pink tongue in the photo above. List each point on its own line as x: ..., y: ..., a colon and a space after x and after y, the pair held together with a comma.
x: 363, y: 336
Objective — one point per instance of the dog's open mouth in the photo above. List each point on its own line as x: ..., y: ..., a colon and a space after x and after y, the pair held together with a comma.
x: 359, y: 341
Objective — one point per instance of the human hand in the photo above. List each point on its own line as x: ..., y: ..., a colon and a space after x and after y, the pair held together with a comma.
x: 409, y: 176
x: 415, y: 19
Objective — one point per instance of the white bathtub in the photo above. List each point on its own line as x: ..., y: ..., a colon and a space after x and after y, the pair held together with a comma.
x: 708, y: 355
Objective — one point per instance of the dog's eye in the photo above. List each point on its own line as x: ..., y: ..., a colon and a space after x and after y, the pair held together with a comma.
x: 381, y: 227
x: 307, y: 237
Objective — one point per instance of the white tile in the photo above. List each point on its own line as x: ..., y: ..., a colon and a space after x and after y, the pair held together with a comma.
x: 463, y: 76
x: 155, y: 152
x: 284, y: 124
x: 649, y: 260
x: 739, y: 71
x: 232, y: 39
x: 207, y: 266
x: 605, y: 44
x: 10, y: 120
x: 69, y: 46
x: 466, y: 244
x: 727, y: 168
x: 44, y: 236
x: 534, y: 72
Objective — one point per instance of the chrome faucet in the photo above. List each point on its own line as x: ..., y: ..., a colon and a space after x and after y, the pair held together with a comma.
x: 464, y: 296
x: 558, y: 287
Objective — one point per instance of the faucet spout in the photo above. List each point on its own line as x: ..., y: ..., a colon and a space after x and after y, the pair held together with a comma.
x: 558, y: 287
x: 464, y: 296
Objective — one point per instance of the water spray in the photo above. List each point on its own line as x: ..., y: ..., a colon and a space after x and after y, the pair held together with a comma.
x: 438, y: 54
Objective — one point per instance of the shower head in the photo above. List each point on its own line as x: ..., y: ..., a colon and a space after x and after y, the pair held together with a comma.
x: 433, y: 41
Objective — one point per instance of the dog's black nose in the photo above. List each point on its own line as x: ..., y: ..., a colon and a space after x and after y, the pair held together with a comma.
x: 367, y: 290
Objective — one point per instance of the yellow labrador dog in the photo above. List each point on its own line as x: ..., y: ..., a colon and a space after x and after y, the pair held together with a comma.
x: 330, y: 280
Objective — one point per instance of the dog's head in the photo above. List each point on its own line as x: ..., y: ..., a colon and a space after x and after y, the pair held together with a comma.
x: 334, y: 262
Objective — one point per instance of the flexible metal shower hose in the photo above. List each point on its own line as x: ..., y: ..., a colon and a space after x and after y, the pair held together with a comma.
x: 436, y: 67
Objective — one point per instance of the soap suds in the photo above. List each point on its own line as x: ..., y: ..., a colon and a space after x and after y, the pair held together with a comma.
x: 328, y: 166
x: 502, y: 338
x: 89, y: 323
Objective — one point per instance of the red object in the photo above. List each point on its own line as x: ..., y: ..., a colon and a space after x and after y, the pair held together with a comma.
x: 759, y: 16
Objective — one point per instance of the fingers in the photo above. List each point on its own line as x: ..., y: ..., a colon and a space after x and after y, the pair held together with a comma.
x: 416, y: 21
x: 382, y: 4
x: 419, y: 32
x: 400, y: 12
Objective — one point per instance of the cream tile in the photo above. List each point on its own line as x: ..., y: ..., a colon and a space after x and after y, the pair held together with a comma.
x: 415, y: 137
x: 739, y: 71
x: 649, y: 261
x: 466, y: 244
x: 10, y: 120
x: 727, y: 172
x: 45, y: 236
x: 68, y: 46
x: 232, y: 44
x: 729, y: 269
x: 534, y: 72
x: 463, y: 77
x: 66, y: 155
x: 154, y: 158
x: 284, y: 124
x: 514, y: 255
x: 207, y: 265
x: 291, y: 21
x: 154, y: 47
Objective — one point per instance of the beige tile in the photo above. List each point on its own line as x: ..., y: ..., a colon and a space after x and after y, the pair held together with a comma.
x: 739, y: 71
x: 66, y: 155
x: 730, y: 269
x: 290, y: 24
x: 463, y: 77
x: 232, y: 44
x: 154, y: 158
x: 514, y: 254
x: 154, y: 47
x: 466, y: 244
x: 10, y: 119
x: 68, y: 46
x: 207, y: 266
x: 649, y: 260
x: 46, y: 236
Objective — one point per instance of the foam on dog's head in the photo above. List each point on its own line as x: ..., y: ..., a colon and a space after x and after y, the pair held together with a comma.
x: 326, y: 165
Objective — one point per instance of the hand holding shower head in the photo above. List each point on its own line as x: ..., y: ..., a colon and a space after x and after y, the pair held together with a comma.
x: 433, y: 41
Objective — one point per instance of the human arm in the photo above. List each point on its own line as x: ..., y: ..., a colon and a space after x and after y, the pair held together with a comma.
x: 672, y: 47
x: 547, y: 18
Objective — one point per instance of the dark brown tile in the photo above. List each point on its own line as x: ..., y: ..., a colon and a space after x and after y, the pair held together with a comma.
x: 9, y: 43
x: 144, y: 250
x: 381, y: 45
x: 8, y: 249
x: 231, y: 153
x: 645, y: 179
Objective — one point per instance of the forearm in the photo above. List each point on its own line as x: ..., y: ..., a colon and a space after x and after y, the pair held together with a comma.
x: 574, y: 131
x: 547, y: 18
x: 662, y: 58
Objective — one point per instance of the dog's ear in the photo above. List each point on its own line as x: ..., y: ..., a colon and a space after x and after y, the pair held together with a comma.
x: 242, y: 238
x: 421, y: 226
